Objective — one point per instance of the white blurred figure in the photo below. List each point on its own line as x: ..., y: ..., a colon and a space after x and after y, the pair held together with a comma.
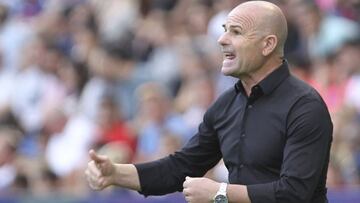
x: 14, y: 33
x: 348, y: 58
x: 29, y: 86
x: 67, y: 149
x: 9, y: 139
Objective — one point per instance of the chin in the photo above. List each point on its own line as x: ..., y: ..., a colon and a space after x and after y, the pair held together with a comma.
x: 228, y: 71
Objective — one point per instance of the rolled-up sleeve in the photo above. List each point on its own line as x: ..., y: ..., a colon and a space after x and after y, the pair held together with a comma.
x: 305, y: 156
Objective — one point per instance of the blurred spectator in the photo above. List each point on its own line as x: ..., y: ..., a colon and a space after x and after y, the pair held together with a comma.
x: 195, y: 96
x: 162, y: 62
x: 9, y: 139
x: 331, y: 81
x: 133, y: 78
x: 156, y: 120
x: 113, y: 129
x: 348, y: 58
x: 14, y: 33
x: 349, y: 9
x: 316, y: 26
x: 302, y: 68
x: 75, y: 135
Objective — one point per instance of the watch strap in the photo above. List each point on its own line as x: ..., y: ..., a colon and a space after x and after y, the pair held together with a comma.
x: 222, y: 189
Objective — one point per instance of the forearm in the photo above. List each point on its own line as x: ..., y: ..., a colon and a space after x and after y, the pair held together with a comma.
x: 237, y: 194
x: 126, y: 176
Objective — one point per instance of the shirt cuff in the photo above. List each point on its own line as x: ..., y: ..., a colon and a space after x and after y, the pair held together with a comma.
x: 260, y: 193
x: 143, y: 174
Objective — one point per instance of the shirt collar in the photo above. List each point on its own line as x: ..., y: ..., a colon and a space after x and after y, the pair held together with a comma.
x: 270, y: 82
x: 273, y: 80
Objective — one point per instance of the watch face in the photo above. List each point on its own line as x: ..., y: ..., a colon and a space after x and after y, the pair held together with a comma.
x: 221, y: 199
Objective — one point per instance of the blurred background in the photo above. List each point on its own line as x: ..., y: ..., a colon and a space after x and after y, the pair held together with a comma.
x: 133, y: 78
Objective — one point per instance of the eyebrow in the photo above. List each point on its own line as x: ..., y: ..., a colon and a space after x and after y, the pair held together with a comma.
x: 232, y: 26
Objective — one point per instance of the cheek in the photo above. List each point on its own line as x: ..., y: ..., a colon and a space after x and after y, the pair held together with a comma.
x: 254, y: 52
x: 244, y: 52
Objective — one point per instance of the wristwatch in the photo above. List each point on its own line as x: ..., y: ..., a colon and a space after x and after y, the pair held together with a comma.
x: 220, y: 196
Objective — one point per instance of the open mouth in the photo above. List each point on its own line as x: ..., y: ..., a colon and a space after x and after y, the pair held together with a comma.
x: 229, y: 55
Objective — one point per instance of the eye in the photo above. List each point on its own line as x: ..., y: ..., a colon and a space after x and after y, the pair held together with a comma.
x: 235, y: 32
x: 224, y: 28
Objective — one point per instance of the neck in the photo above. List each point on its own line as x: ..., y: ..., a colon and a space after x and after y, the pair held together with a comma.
x: 251, y: 79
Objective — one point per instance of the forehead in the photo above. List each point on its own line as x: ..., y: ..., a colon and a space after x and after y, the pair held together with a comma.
x: 242, y: 18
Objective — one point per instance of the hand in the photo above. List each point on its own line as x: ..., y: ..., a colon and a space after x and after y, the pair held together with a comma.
x: 200, y: 190
x: 100, y: 171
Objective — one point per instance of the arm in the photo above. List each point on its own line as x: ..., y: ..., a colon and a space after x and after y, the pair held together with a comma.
x: 305, y: 157
x: 200, y: 154
x: 162, y: 176
x: 126, y: 176
x: 167, y: 175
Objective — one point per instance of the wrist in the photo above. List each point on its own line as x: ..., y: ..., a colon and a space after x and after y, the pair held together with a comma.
x: 115, y: 176
x: 221, y: 194
x: 125, y: 175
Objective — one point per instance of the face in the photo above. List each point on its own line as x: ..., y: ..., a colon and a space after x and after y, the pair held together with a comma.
x: 241, y: 44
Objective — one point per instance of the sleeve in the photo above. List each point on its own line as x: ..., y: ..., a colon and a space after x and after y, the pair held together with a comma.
x: 167, y: 175
x: 305, y: 156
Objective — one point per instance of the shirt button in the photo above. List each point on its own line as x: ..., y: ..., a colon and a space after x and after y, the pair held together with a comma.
x: 250, y: 106
x: 243, y: 135
x: 241, y: 165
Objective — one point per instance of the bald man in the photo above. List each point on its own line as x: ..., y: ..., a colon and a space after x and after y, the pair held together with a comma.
x: 272, y: 130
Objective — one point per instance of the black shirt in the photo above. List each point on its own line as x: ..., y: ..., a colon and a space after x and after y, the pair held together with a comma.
x: 276, y: 142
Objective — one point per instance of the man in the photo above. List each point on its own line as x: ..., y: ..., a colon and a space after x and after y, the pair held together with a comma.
x: 272, y: 130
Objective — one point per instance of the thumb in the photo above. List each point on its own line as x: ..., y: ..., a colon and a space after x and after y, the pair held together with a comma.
x: 97, y: 158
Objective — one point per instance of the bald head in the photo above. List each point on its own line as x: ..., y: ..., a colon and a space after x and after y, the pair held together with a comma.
x: 263, y: 18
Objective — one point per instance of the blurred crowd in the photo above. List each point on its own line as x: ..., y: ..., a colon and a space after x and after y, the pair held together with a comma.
x: 133, y: 78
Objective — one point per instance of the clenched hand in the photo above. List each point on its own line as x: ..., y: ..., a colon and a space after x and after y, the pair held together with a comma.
x: 200, y: 190
x: 100, y: 171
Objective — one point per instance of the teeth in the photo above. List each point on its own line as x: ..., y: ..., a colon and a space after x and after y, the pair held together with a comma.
x: 229, y: 55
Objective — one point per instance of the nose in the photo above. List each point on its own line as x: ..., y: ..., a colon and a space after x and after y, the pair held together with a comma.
x: 223, y: 39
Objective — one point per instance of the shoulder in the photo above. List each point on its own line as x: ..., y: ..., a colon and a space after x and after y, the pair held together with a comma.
x: 294, y: 90
x: 308, y: 107
x: 304, y: 92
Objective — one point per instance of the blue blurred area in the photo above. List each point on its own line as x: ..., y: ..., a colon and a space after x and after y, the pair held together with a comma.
x: 334, y: 196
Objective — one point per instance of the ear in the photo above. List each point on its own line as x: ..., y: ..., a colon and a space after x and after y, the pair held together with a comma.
x: 269, y: 44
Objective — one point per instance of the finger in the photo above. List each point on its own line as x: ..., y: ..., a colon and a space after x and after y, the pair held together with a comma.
x: 91, y: 178
x: 185, y: 184
x: 188, y: 178
x: 186, y: 192
x: 187, y: 181
x: 188, y: 199
x: 97, y: 158
x: 94, y: 169
x: 93, y: 183
x: 87, y: 174
x: 96, y: 183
